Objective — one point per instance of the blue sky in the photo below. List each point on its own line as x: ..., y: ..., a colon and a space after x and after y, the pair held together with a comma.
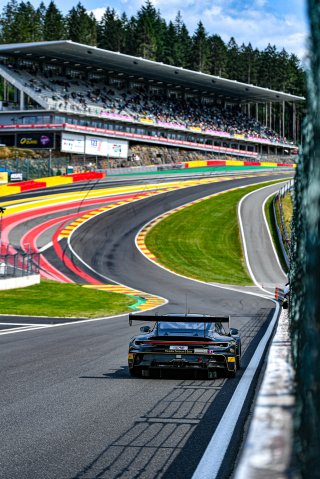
x: 279, y: 22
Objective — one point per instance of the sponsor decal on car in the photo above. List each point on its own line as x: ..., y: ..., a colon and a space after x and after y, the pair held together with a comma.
x: 200, y: 351
x: 231, y: 359
x: 176, y: 351
x: 178, y: 348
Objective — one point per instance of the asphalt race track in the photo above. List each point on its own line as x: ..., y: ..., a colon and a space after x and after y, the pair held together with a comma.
x: 69, y: 409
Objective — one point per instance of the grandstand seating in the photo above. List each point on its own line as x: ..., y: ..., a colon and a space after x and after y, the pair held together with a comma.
x: 98, y: 98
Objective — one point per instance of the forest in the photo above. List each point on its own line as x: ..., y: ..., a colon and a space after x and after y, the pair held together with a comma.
x: 148, y: 35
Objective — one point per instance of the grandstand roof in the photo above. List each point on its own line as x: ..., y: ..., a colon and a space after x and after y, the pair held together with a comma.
x: 66, y: 50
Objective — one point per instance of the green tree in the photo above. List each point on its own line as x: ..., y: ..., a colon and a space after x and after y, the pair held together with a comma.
x: 110, y: 31
x: 29, y: 22
x: 183, y: 45
x: 248, y: 64
x: 54, y: 27
x: 39, y: 22
x: 82, y: 27
x: 169, y: 52
x: 147, y: 36
x: 267, y: 60
x: 130, y: 37
x: 201, y: 60
x: 9, y: 28
x: 219, y: 56
x: 233, y: 59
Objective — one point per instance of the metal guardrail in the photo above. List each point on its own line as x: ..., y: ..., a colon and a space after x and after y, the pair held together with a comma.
x: 283, y: 235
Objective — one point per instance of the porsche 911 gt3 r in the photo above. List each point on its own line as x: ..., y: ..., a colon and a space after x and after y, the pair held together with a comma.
x: 185, y: 341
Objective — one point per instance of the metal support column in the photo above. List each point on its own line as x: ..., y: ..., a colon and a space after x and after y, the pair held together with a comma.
x: 283, y: 119
x: 294, y: 123
x: 22, y: 100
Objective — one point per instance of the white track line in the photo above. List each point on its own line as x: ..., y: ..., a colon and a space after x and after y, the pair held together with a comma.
x: 269, y: 233
x: 244, y: 239
x: 72, y: 323
x: 211, y: 461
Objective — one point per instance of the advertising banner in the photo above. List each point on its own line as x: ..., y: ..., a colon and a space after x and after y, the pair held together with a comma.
x: 118, y: 148
x: 108, y: 147
x: 96, y: 145
x: 3, y: 177
x: 16, y: 177
x: 72, y: 143
x: 35, y: 141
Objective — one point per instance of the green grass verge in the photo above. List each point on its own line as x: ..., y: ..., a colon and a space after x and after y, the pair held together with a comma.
x: 273, y: 230
x: 287, y: 208
x: 203, y: 240
x: 50, y: 298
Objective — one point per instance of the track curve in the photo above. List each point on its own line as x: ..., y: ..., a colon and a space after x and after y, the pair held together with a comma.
x: 69, y: 408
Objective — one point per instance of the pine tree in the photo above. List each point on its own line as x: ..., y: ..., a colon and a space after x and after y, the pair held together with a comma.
x: 124, y: 32
x: 9, y: 26
x: 146, y: 32
x: 82, y: 27
x: 29, y: 23
x: 161, y: 38
x: 267, y: 60
x: 233, y: 59
x: 169, y: 53
x: 131, y: 37
x: 54, y: 27
x: 201, y: 50
x: 183, y: 43
x: 110, y: 33
x: 39, y: 22
x: 219, y: 56
x: 247, y: 64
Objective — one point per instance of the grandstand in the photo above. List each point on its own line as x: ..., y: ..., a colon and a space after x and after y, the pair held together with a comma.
x: 77, y: 99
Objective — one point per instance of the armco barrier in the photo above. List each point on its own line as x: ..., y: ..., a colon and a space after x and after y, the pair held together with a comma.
x: 91, y: 175
x: 55, y: 180
x: 216, y: 163
x: 28, y: 185
x: 14, y: 188
x: 213, y: 163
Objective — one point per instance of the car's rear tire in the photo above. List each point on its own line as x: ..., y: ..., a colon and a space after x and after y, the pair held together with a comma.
x: 231, y: 374
x: 134, y: 372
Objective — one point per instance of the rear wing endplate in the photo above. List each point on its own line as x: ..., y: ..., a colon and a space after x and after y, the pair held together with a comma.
x: 179, y: 319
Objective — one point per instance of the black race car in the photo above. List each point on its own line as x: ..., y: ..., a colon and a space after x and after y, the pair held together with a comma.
x: 185, y: 341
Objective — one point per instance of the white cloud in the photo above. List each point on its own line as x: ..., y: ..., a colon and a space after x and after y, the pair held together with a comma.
x: 98, y: 13
x: 257, y: 21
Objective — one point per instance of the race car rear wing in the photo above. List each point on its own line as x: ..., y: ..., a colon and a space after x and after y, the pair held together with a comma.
x: 179, y: 318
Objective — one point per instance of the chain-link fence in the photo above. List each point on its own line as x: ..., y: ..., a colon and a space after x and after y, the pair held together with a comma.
x: 15, y: 263
x: 283, y: 233
x: 36, y: 167
x: 305, y: 271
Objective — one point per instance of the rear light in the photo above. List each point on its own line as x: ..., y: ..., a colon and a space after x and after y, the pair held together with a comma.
x: 141, y: 343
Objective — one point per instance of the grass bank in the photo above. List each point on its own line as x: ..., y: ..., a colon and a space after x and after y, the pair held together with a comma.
x: 273, y: 230
x: 50, y: 298
x: 203, y: 240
